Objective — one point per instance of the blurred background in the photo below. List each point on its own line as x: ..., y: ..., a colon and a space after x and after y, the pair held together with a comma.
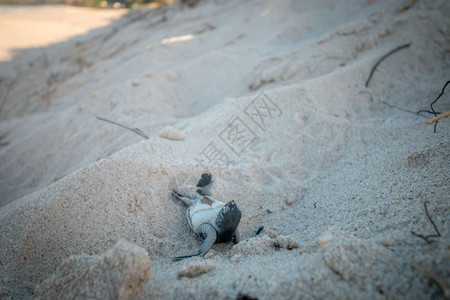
x: 90, y: 3
x: 28, y: 24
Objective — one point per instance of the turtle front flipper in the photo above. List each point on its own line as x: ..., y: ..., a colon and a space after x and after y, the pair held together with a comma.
x: 210, y: 235
x: 236, y: 237
x: 185, y: 256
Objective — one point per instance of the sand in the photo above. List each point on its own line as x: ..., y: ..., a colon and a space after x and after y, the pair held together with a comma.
x: 270, y: 97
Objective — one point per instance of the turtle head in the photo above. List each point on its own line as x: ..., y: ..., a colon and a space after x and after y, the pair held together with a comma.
x: 228, y: 219
x: 231, y: 212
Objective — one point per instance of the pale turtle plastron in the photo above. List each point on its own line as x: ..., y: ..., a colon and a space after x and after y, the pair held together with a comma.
x: 209, y: 218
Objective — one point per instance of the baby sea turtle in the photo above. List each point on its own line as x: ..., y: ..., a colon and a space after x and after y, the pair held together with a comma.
x: 209, y: 218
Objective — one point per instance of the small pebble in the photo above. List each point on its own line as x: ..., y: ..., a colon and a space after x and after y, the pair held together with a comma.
x: 194, y: 270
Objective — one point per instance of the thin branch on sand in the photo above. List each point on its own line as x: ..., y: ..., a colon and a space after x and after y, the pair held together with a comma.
x: 383, y: 58
x: 426, y: 237
x: 402, y: 109
x: 438, y: 117
x: 135, y: 130
x: 432, y: 109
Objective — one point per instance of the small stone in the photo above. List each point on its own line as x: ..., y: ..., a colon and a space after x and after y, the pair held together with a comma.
x: 171, y: 133
x: 259, y: 230
x: 194, y: 270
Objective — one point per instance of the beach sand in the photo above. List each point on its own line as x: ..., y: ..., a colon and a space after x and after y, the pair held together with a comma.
x: 23, y: 27
x: 268, y: 96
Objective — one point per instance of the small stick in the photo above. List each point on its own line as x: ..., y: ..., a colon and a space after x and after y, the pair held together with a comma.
x: 399, y: 108
x: 438, y: 117
x: 427, y: 111
x: 433, y: 111
x: 425, y: 238
x: 383, y: 58
x: 135, y: 130
x: 402, y: 109
x: 442, y: 93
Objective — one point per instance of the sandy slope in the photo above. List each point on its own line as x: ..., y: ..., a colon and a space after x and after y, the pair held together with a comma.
x: 325, y: 162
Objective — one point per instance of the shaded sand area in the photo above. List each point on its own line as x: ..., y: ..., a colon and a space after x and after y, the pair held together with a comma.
x: 270, y: 97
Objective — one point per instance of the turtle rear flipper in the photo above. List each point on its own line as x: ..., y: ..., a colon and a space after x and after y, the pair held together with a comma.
x: 205, y: 180
x: 210, y: 235
x: 186, y: 200
x: 204, y: 185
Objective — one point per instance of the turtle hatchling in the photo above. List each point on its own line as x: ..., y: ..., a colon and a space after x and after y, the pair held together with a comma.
x: 209, y: 218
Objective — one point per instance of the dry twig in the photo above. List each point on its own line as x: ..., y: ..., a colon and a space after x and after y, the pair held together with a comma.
x: 135, y: 130
x: 402, y: 109
x: 426, y: 237
x: 435, y: 113
x: 383, y: 58
x: 438, y: 117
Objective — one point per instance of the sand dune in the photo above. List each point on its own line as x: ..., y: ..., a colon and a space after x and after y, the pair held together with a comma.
x: 270, y: 97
